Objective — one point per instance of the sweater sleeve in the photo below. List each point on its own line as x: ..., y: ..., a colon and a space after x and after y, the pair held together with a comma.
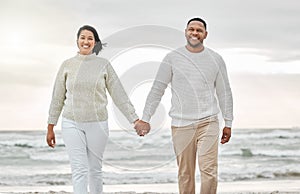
x: 162, y: 79
x: 224, y: 93
x: 118, y: 94
x: 58, y: 96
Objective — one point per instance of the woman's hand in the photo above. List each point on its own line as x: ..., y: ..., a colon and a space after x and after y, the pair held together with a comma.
x: 50, y: 136
x: 142, y: 127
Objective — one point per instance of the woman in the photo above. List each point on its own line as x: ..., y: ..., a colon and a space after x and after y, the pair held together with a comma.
x: 80, y: 89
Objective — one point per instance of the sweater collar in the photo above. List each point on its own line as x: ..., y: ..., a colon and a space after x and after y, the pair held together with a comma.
x: 85, y: 57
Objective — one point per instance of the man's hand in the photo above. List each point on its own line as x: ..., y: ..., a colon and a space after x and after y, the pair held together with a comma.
x: 226, y: 135
x: 142, y: 127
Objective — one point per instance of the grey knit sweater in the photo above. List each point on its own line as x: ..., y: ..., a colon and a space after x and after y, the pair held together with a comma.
x: 80, y: 90
x: 196, y: 80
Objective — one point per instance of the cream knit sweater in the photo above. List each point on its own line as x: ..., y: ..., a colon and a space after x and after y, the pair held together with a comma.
x: 80, y: 89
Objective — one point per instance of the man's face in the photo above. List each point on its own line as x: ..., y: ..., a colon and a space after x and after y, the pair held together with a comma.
x: 195, y: 33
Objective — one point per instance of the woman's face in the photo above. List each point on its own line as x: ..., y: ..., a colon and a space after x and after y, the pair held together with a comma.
x: 86, y: 42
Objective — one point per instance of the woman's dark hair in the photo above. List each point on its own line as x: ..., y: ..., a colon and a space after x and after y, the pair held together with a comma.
x: 98, y: 46
x: 199, y: 20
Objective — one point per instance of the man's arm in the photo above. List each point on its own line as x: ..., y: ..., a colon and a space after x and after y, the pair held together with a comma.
x: 224, y: 94
x: 162, y: 79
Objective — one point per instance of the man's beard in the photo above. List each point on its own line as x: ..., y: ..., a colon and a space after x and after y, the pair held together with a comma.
x: 195, y: 45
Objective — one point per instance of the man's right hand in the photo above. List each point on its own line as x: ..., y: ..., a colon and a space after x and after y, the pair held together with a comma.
x: 142, y: 127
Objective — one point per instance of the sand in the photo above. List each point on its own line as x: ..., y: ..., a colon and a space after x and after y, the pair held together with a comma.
x: 240, y: 187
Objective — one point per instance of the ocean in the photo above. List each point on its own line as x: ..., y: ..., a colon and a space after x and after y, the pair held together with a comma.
x: 252, y: 154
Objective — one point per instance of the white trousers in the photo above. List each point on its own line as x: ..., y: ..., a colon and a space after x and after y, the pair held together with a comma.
x: 85, y: 145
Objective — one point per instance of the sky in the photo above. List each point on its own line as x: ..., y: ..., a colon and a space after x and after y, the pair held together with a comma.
x: 259, y: 41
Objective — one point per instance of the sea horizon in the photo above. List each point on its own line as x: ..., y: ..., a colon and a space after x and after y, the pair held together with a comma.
x: 234, y: 128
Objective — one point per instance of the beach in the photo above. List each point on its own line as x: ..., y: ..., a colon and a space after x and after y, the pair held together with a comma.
x: 237, y: 187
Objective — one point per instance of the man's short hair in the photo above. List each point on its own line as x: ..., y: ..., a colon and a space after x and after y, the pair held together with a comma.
x: 197, y: 19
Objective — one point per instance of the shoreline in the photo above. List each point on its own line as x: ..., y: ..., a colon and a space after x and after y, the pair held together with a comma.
x: 238, y: 187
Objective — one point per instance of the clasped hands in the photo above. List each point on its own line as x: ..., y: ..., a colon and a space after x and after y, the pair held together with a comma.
x: 141, y: 127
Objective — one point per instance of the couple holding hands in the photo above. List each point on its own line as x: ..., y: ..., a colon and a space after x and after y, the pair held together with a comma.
x: 200, y: 89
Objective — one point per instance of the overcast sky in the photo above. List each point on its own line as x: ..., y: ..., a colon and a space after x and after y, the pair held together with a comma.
x: 259, y: 40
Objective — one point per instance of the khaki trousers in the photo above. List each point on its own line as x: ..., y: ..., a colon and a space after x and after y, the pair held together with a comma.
x: 200, y: 139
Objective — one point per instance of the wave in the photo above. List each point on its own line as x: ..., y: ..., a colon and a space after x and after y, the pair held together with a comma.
x: 27, y: 144
x: 148, y: 158
x: 242, y: 176
x: 272, y: 154
x: 246, y: 152
x: 37, y: 179
x: 52, y: 182
x: 54, y: 156
x: 23, y: 145
x: 267, y: 134
x: 139, y: 178
x: 287, y: 174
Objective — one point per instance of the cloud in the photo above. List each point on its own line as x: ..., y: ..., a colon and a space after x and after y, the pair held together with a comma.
x: 271, y: 26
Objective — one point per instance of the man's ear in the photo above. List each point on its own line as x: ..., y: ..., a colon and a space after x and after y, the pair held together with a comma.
x: 206, y: 33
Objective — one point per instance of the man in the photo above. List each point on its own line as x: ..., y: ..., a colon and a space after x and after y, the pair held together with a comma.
x: 197, y: 75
